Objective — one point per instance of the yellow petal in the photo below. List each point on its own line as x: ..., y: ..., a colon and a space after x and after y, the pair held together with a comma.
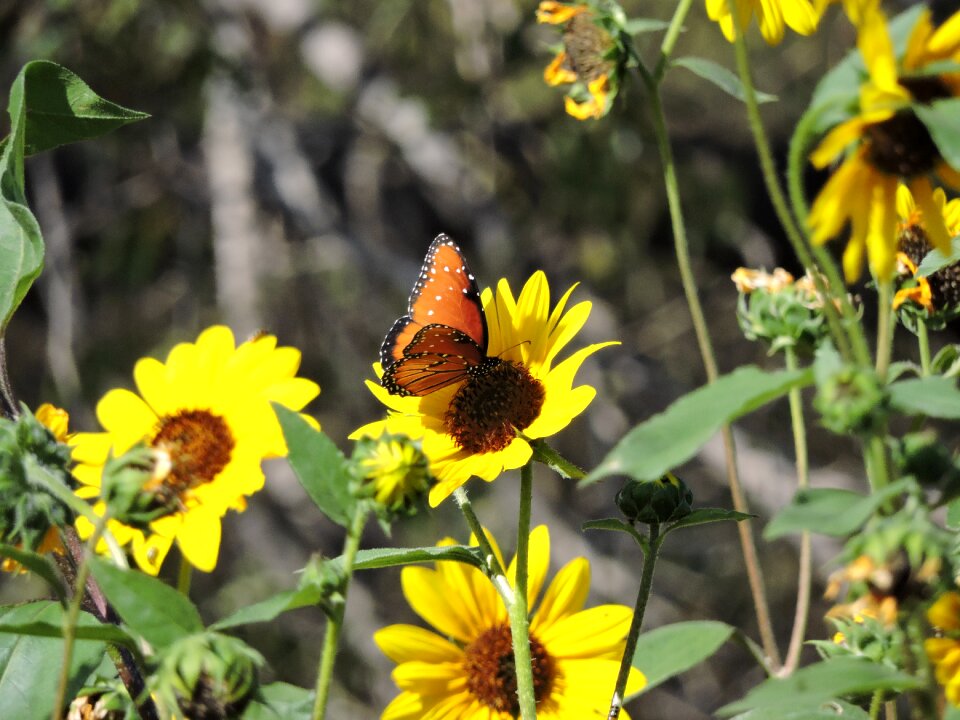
x: 403, y: 643
x: 126, y: 417
x: 933, y: 221
x: 589, y: 633
x: 566, y: 594
x: 199, y: 538
x: 431, y: 598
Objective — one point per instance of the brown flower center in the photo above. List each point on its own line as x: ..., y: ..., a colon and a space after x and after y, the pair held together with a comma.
x: 492, y: 674
x: 498, y: 398
x: 902, y: 145
x: 200, y: 445
x: 945, y: 282
x: 586, y: 44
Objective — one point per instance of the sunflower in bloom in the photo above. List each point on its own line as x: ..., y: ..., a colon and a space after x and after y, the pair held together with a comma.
x: 484, y: 424
x: 772, y: 16
x: 207, y: 409
x: 944, y: 652
x: 459, y: 670
x: 887, y: 144
x: 591, y: 59
x: 939, y: 291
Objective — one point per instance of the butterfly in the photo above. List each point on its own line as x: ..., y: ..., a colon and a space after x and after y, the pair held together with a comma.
x: 442, y: 339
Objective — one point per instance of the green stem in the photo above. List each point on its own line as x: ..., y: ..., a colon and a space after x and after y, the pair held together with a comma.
x: 8, y: 401
x: 184, y: 576
x: 876, y: 702
x: 335, y: 619
x: 804, y: 571
x: 885, y: 326
x: 923, y: 340
x: 518, y: 611
x: 682, y: 251
x: 73, y: 615
x: 876, y: 462
x: 643, y: 595
x: 670, y: 38
x: 494, y: 569
x: 545, y: 454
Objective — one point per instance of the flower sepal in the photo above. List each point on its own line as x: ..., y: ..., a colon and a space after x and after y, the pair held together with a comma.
x: 657, y: 501
x: 392, y: 474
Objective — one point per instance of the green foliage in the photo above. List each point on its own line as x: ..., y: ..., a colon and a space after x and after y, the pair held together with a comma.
x: 936, y: 397
x: 942, y: 120
x: 671, y: 438
x: 720, y: 77
x: 320, y: 467
x: 149, y: 607
x: 281, y: 701
x: 812, y: 686
x: 37, y: 564
x: 375, y: 558
x: 829, y: 511
x: 673, y: 649
x: 27, y: 662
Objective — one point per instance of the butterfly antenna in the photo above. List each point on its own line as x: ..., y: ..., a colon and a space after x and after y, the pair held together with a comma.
x: 505, y: 350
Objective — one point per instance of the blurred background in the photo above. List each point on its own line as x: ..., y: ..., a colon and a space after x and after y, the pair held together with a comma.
x: 301, y: 155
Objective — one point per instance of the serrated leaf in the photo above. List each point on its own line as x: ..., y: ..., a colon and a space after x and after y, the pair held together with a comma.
x: 60, y: 108
x: 375, y: 558
x: 148, y: 606
x: 281, y: 701
x: 934, y: 396
x: 669, y: 439
x: 319, y: 466
x: 821, y: 682
x: 270, y: 608
x: 29, y: 665
x: 829, y: 511
x: 37, y: 564
x: 702, y: 516
x: 673, y: 649
x: 721, y: 77
x: 942, y: 120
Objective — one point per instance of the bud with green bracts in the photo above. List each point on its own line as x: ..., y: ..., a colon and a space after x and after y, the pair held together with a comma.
x: 655, y: 501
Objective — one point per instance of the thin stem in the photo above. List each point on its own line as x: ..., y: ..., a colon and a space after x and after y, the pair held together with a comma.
x: 643, y: 595
x: 670, y: 38
x: 335, y: 620
x: 184, y: 576
x: 876, y: 462
x: 876, y: 702
x: 801, y: 459
x: 545, y: 454
x: 495, y: 570
x: 73, y: 614
x: 518, y: 611
x: 923, y: 341
x: 885, y: 326
x: 8, y: 401
x: 682, y: 251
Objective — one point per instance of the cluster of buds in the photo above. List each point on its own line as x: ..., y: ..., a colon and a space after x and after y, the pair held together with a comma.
x: 778, y: 310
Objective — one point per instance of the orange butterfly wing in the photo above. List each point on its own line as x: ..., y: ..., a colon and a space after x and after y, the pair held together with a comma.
x: 444, y: 332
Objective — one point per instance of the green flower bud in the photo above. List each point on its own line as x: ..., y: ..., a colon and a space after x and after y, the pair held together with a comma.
x: 32, y: 465
x: 132, y: 486
x: 655, y: 501
x: 851, y: 400
x: 392, y: 471
x: 208, y: 675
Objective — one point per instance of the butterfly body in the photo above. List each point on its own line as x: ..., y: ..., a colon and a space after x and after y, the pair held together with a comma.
x: 442, y: 339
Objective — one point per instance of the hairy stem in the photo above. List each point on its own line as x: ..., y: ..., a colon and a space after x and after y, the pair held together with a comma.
x: 518, y: 611
x: 495, y: 571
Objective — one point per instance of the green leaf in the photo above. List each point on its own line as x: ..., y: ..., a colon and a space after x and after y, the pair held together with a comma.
x: 61, y: 108
x: 21, y: 255
x: 823, y: 711
x: 719, y: 76
x: 942, y: 119
x: 936, y: 260
x: 617, y: 525
x: 702, y: 516
x: 669, y: 439
x: 149, y: 607
x: 829, y: 511
x: 280, y: 701
x: 271, y: 608
x: 931, y: 396
x: 636, y: 26
x: 820, y: 683
x: 37, y: 564
x: 29, y: 665
x: 953, y: 514
x: 319, y: 465
x: 88, y: 628
x: 673, y: 649
x: 376, y: 558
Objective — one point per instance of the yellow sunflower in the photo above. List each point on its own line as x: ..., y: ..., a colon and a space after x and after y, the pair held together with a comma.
x: 892, y: 146
x: 913, y: 245
x: 457, y: 672
x: 772, y: 15
x: 944, y: 652
x: 208, y: 408
x: 590, y: 60
x: 484, y: 425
